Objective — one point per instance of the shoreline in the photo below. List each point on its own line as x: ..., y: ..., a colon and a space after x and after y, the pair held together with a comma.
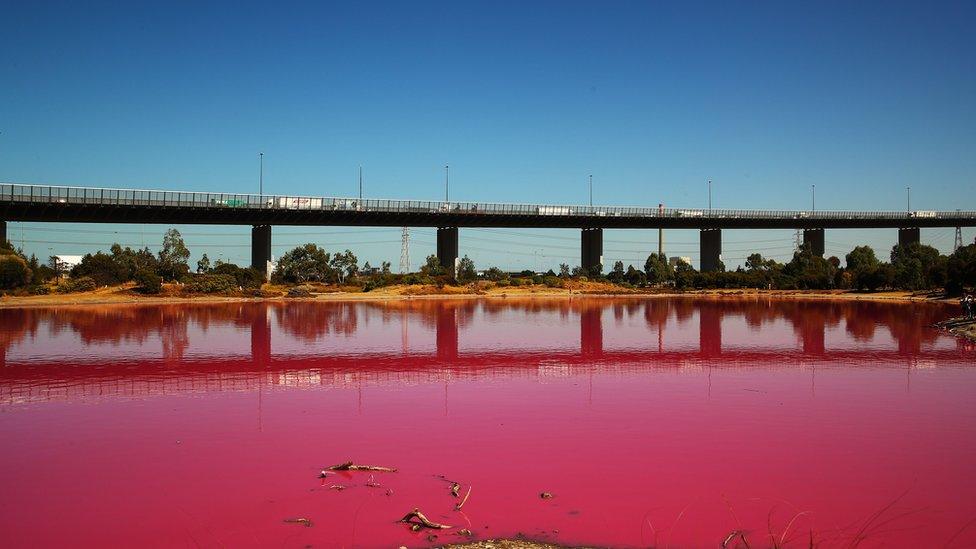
x: 123, y: 295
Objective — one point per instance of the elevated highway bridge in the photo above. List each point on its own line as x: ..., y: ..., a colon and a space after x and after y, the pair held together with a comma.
x: 46, y: 203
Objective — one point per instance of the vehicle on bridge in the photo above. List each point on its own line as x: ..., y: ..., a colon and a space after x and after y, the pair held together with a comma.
x: 554, y: 210
x: 296, y: 203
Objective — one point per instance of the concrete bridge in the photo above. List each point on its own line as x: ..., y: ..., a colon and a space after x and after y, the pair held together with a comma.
x: 39, y: 203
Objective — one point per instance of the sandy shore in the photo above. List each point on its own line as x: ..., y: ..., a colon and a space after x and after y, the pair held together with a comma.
x: 125, y: 294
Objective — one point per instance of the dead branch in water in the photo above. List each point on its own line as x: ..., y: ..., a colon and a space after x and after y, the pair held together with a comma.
x: 421, y: 521
x: 454, y: 489
x: 466, y: 496
x: 350, y: 466
x: 732, y: 535
x: 302, y: 521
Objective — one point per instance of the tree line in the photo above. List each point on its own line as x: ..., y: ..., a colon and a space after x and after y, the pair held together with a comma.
x: 912, y: 267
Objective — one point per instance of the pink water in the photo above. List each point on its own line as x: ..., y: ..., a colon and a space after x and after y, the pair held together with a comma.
x: 654, y: 423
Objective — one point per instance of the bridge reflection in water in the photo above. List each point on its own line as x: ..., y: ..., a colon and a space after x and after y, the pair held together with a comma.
x: 139, y: 350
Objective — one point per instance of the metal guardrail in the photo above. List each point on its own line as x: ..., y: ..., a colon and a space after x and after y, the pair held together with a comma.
x: 43, y: 194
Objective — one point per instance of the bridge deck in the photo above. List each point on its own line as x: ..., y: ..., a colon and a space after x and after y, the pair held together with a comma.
x: 20, y: 202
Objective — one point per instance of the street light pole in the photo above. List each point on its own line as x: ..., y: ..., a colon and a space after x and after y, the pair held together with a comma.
x: 591, y: 190
x: 261, y: 176
x: 709, y: 197
x: 814, y: 191
x: 909, y: 191
x: 360, y: 184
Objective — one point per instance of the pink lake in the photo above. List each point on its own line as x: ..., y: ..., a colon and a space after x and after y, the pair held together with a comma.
x: 652, y: 422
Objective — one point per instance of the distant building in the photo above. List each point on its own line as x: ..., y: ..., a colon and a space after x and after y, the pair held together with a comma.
x: 673, y: 261
x: 69, y: 260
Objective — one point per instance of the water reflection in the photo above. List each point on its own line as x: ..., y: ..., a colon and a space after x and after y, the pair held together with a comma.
x: 56, y: 347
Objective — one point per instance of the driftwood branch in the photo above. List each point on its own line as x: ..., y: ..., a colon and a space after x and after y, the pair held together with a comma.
x: 466, y: 496
x: 350, y: 466
x: 418, y: 520
x: 454, y: 489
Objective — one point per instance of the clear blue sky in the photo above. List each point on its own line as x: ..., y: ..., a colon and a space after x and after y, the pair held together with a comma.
x: 523, y: 100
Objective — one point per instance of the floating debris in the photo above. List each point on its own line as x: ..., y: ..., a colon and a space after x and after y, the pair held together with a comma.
x: 350, y: 466
x: 418, y: 520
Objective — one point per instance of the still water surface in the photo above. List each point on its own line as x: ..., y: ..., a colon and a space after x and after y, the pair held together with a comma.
x: 667, y: 423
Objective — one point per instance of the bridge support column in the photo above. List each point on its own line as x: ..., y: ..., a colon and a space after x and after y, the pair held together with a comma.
x: 261, y: 249
x: 591, y: 251
x: 909, y: 235
x: 814, y: 239
x: 710, y: 248
x: 3, y: 232
x: 447, y: 249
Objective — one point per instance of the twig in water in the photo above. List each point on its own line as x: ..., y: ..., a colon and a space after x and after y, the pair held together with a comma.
x: 421, y: 521
x: 454, y: 489
x: 338, y: 487
x: 302, y: 521
x: 460, y: 505
x: 372, y: 483
x: 350, y: 466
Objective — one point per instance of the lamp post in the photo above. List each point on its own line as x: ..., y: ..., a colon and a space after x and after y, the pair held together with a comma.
x: 261, y: 176
x: 591, y: 190
x: 813, y: 190
x: 709, y: 197
x: 908, y: 190
x: 447, y: 183
x: 360, y: 184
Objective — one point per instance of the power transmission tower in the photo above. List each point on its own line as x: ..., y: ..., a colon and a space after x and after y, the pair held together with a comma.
x: 799, y: 239
x: 405, y: 251
x: 958, y: 239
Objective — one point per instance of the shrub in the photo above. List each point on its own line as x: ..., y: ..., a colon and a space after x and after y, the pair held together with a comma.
x: 299, y: 291
x: 14, y: 272
x: 81, y: 284
x: 149, y: 282
x: 39, y: 290
x: 211, y: 284
x: 247, y: 278
x: 102, y: 268
x: 553, y: 281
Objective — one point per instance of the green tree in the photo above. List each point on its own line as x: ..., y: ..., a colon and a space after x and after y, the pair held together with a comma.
x: 304, y: 264
x: 59, y: 267
x: 684, y: 275
x: 961, y: 270
x: 345, y: 265
x: 203, y: 266
x: 174, y: 256
x: 913, y: 264
x: 657, y: 269
x: 432, y: 266
x: 564, y: 270
x: 385, y: 268
x: 14, y: 272
x: 101, y: 268
x: 466, y: 271
x: 809, y: 271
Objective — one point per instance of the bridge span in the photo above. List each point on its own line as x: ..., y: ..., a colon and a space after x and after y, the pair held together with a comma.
x: 44, y: 203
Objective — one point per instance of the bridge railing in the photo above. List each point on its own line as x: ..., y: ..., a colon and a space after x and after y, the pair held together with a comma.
x: 55, y: 195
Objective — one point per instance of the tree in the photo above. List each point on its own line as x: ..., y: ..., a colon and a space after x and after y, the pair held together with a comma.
x: 101, y: 268
x: 59, y: 267
x: 563, y: 270
x: 203, y: 266
x: 303, y: 264
x: 345, y: 265
x: 432, y: 266
x: 174, y: 256
x: 684, y: 274
x: 635, y: 277
x: 494, y: 274
x: 385, y: 268
x: 657, y: 269
x: 809, y: 271
x: 134, y: 260
x: 466, y: 271
x: 617, y: 272
x: 961, y: 270
x: 912, y: 264
x: 14, y: 272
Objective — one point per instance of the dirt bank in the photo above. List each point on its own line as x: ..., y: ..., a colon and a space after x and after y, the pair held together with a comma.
x: 960, y: 327
x: 505, y: 544
x: 173, y: 294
